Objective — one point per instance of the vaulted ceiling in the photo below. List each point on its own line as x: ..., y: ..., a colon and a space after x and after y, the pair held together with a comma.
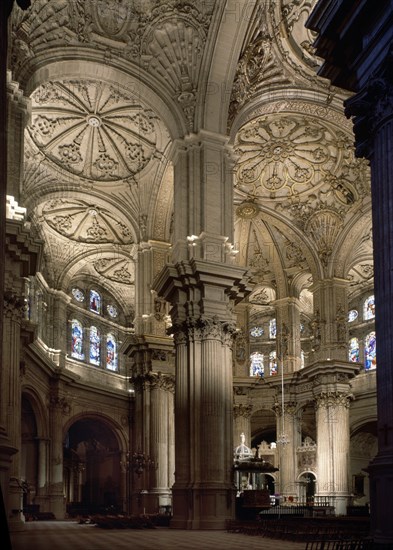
x: 113, y: 83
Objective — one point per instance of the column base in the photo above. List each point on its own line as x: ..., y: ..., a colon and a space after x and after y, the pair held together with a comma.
x: 202, y: 508
x: 381, y: 500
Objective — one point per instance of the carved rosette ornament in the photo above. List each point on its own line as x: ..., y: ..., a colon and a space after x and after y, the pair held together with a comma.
x: 94, y: 130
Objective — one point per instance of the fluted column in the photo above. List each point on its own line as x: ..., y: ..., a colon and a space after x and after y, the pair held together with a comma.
x: 332, y: 417
x: 289, y: 426
x: 372, y: 109
x: 161, y: 429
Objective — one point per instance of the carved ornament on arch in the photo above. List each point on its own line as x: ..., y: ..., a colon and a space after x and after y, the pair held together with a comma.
x: 83, y: 222
x: 117, y: 269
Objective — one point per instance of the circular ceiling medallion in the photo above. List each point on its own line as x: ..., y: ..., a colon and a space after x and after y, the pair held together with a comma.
x: 247, y: 210
x: 92, y: 129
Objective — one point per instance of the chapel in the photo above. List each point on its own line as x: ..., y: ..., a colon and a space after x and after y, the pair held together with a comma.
x: 197, y: 257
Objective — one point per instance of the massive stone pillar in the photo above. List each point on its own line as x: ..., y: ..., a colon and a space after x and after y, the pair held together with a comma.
x: 373, y: 112
x: 22, y: 257
x: 202, y: 285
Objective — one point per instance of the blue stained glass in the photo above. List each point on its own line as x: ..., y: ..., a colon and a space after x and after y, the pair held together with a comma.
x: 78, y: 294
x: 77, y: 340
x: 256, y: 367
x: 272, y: 328
x: 273, y: 363
x: 354, y: 350
x: 352, y: 315
x: 95, y: 301
x: 112, y: 310
x: 369, y: 308
x: 256, y: 331
x: 370, y: 346
x: 94, y: 356
x: 111, y: 352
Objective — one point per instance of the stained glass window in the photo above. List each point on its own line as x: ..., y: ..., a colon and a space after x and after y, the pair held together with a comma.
x: 302, y: 328
x: 352, y: 315
x: 256, y: 331
x: 111, y: 352
x: 369, y: 308
x: 272, y: 328
x: 273, y: 363
x: 354, y: 350
x: 78, y: 294
x: 77, y: 340
x: 94, y: 356
x: 370, y: 346
x: 112, y: 310
x: 95, y: 301
x: 256, y: 367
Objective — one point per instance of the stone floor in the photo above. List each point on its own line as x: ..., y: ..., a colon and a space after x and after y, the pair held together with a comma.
x: 70, y: 535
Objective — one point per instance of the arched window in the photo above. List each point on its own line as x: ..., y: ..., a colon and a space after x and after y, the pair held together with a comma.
x: 370, y: 346
x: 111, y: 352
x: 273, y: 363
x: 369, y: 308
x: 256, y: 366
x: 94, y: 352
x: 354, y: 350
x: 95, y: 301
x: 272, y: 328
x: 77, y: 339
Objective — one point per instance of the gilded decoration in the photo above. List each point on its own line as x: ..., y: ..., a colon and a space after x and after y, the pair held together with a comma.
x: 94, y: 130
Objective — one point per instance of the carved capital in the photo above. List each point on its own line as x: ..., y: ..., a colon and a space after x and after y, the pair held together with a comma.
x: 328, y: 399
x: 14, y: 306
x: 241, y: 410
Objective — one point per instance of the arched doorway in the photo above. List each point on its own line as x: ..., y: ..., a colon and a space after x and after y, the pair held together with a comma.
x: 92, y: 464
x: 307, y: 488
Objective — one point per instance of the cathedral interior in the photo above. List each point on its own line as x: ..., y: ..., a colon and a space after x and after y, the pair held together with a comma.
x: 188, y: 263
